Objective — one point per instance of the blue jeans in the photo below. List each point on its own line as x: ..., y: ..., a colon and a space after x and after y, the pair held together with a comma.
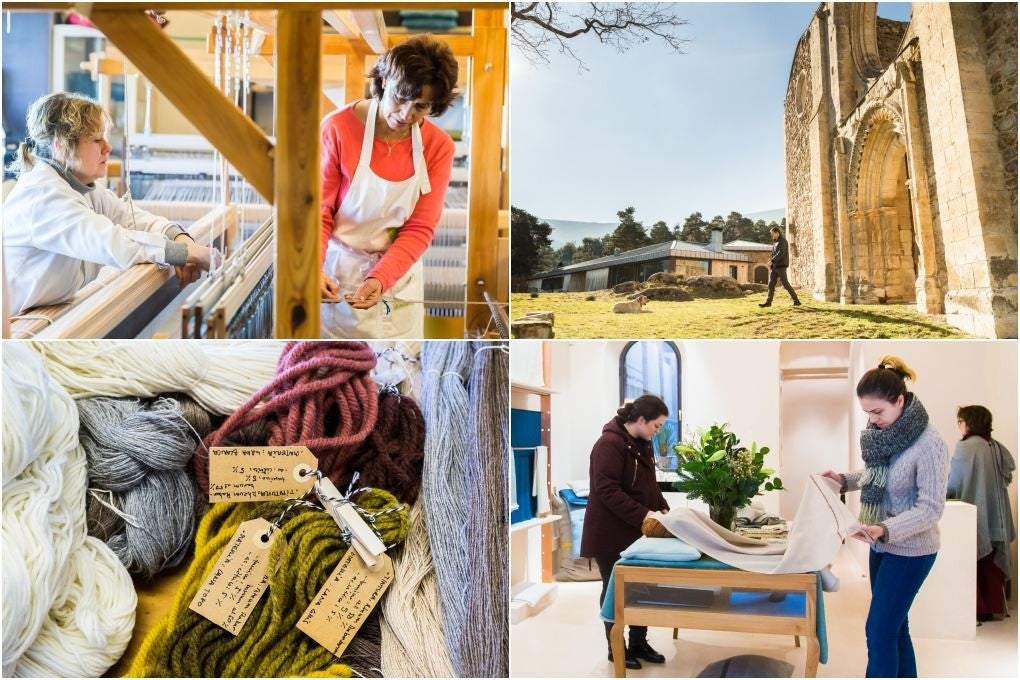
x: 895, y: 581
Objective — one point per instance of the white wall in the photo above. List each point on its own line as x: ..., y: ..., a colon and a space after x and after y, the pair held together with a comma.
x: 735, y: 382
x: 950, y: 374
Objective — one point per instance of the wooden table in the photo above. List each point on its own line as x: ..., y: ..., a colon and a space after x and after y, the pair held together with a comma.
x: 719, y: 616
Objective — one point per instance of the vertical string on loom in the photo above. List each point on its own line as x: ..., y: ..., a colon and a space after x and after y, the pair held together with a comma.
x: 246, y: 32
x: 218, y: 81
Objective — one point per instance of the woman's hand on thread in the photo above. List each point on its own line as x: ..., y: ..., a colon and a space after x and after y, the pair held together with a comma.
x: 199, y: 260
x: 367, y: 295
x: 330, y: 289
x: 870, y: 533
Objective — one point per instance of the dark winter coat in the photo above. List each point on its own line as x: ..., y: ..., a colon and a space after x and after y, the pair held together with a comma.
x: 780, y: 253
x: 622, y: 491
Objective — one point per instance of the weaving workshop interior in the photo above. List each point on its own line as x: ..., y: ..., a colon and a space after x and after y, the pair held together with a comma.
x: 255, y: 170
x: 255, y: 509
x: 763, y: 509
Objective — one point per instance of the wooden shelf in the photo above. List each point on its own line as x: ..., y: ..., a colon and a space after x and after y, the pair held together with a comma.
x: 533, y: 389
x: 529, y: 523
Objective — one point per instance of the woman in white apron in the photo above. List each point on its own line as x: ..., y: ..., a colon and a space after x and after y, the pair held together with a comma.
x: 385, y: 169
x: 60, y: 229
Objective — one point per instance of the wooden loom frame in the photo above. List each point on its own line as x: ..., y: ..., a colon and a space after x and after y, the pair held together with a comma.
x: 714, y: 618
x: 292, y: 185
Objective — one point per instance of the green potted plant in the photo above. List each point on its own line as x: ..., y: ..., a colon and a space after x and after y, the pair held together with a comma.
x: 713, y: 467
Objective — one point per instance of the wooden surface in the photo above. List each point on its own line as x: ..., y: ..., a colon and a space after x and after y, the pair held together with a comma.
x: 716, y: 617
x: 155, y: 599
x: 163, y: 62
x: 488, y: 88
x: 296, y: 282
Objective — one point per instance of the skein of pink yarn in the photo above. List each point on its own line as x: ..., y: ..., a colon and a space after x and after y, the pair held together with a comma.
x: 323, y: 397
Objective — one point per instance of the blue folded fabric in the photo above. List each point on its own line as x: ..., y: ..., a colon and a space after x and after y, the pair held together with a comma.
x: 662, y: 549
x: 571, y: 498
x: 740, y: 602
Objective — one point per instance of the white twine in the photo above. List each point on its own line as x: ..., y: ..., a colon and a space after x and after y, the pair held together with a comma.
x: 68, y: 604
x: 219, y: 375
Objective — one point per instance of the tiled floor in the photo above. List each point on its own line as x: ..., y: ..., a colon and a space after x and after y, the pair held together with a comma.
x: 567, y: 640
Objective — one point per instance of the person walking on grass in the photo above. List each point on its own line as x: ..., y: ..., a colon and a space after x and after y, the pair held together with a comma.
x: 778, y: 264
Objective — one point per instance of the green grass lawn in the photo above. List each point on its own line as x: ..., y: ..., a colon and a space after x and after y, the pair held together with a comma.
x: 729, y: 318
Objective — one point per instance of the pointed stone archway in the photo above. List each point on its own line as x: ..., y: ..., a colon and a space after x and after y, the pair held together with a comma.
x: 886, y: 254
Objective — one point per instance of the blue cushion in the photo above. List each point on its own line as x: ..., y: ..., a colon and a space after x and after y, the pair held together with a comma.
x: 661, y: 549
x: 571, y: 498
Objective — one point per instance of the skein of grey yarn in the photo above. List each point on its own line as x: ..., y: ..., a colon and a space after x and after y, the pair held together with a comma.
x: 486, y: 636
x: 138, y: 453
x: 444, y: 404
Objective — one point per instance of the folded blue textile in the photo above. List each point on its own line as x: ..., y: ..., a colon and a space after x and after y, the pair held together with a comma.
x: 740, y: 602
x: 662, y: 549
x: 571, y: 498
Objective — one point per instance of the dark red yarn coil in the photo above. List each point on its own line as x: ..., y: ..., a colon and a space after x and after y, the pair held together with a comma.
x: 393, y: 455
x: 322, y: 397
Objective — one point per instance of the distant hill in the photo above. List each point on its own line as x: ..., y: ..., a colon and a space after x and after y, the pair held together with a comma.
x: 569, y: 230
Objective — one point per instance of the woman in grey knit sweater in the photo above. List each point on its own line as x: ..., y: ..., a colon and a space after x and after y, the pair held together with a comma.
x: 903, y: 491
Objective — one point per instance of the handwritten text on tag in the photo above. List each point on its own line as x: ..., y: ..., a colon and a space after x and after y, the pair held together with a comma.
x: 259, y: 473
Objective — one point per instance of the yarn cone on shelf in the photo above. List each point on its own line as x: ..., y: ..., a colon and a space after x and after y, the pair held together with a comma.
x: 486, y: 639
x: 142, y: 501
x: 445, y: 405
x: 307, y: 549
x: 68, y: 603
x: 219, y: 375
x: 322, y: 397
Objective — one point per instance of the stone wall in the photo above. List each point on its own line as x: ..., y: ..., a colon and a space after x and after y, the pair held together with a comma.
x: 1000, y: 26
x: 797, y: 115
x: 890, y: 33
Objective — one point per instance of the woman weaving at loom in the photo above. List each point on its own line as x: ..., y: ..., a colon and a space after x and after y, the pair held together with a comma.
x: 385, y: 170
x: 60, y: 228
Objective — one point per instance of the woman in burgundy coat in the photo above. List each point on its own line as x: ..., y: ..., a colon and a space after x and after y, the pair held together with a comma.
x: 623, y: 492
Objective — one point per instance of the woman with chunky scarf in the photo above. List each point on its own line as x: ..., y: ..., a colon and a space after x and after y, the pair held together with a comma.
x: 903, y: 491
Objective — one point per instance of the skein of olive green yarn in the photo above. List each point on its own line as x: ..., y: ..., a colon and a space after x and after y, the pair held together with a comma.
x: 269, y: 645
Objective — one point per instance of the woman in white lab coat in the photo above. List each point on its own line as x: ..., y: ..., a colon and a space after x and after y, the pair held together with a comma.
x: 385, y: 169
x: 59, y: 228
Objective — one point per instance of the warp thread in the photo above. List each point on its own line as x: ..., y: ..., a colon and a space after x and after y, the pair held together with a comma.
x: 307, y: 549
x: 322, y: 397
x: 445, y: 405
x: 68, y: 603
x: 219, y: 375
x: 486, y: 637
x: 142, y: 501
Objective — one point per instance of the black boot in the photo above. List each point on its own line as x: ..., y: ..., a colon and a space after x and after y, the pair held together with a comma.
x: 796, y: 302
x: 767, y: 303
x: 630, y: 662
x: 642, y: 650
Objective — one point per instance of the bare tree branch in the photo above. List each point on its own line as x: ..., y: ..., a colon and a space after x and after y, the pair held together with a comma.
x: 538, y: 28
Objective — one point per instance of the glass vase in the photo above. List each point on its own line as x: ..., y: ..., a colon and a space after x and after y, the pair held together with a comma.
x: 723, y: 515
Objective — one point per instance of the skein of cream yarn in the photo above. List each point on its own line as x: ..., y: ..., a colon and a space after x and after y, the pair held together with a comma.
x: 219, y: 375
x: 68, y: 603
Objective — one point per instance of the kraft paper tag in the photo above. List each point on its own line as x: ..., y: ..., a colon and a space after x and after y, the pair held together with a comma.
x: 363, y: 539
x: 345, y: 601
x: 259, y: 473
x: 239, y: 578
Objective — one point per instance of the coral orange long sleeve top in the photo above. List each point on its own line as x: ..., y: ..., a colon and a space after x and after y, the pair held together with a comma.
x: 342, y: 134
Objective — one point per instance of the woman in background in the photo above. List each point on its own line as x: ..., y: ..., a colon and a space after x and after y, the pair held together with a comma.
x: 623, y: 493
x: 981, y: 472
x: 385, y: 170
x: 903, y: 494
x: 60, y: 228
